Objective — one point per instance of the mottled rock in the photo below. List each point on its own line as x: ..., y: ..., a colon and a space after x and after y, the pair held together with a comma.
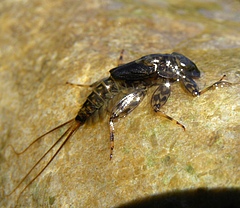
x: 43, y: 44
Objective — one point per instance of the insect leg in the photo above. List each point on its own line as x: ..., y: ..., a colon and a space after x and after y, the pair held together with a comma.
x: 216, y: 85
x: 120, y: 60
x: 125, y: 106
x: 191, y: 86
x: 79, y: 85
x: 159, y: 98
x: 93, y: 85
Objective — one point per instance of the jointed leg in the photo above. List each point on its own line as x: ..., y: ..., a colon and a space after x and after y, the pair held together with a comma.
x: 119, y: 63
x: 192, y: 87
x: 159, y: 98
x: 87, y: 85
x: 216, y: 85
x: 120, y: 60
x: 125, y: 106
x: 171, y: 119
x: 79, y: 85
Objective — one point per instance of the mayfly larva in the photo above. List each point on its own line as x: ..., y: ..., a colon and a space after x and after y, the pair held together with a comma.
x: 131, y: 81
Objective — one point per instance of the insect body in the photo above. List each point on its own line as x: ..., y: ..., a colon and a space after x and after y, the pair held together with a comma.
x: 124, y: 90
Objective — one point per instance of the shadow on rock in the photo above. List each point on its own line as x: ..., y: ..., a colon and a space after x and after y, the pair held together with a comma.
x: 195, y: 198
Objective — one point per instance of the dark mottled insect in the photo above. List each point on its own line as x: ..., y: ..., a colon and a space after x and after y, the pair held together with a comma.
x: 124, y: 90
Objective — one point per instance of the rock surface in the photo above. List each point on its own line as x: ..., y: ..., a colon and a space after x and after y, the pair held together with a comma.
x: 43, y: 44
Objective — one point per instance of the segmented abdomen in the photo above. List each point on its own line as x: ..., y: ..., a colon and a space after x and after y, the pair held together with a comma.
x: 100, y: 95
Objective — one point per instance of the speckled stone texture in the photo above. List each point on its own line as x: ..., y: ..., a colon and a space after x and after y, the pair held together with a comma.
x: 43, y: 44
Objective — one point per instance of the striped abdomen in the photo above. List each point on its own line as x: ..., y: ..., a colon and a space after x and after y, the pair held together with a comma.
x: 100, y: 95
